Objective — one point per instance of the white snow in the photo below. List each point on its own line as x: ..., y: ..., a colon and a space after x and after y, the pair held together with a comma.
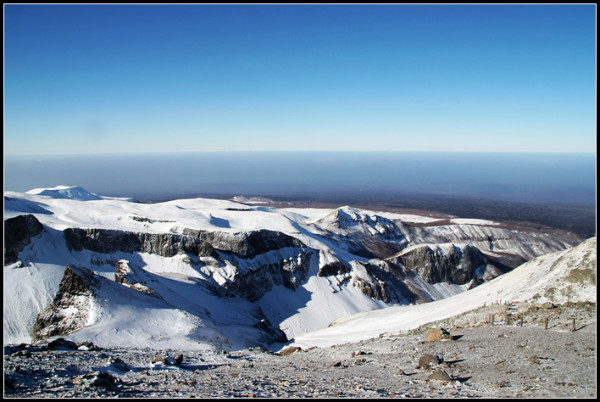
x: 70, y: 192
x: 524, y: 283
x: 191, y: 317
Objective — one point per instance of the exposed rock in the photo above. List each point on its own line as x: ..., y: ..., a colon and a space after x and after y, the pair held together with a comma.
x: 364, y: 234
x: 289, y: 350
x: 21, y: 353
x: 62, y: 343
x: 272, y: 333
x: 334, y: 268
x: 71, y: 307
x: 429, y: 360
x: 87, y: 346
x: 252, y: 279
x: 118, y: 363
x: 439, y: 375
x: 195, y: 242
x: 387, y: 281
x: 126, y: 276
x: 437, y: 334
x: 168, y: 360
x: 159, y: 358
x: 96, y: 379
x: 18, y: 232
x: 452, y: 264
x: 252, y: 253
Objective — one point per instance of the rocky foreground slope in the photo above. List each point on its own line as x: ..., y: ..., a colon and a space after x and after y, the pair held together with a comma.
x: 477, y: 359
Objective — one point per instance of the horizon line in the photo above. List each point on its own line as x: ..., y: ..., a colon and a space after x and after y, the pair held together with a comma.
x: 140, y: 153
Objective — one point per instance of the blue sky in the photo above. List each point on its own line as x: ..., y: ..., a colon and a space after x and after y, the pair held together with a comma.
x: 172, y: 78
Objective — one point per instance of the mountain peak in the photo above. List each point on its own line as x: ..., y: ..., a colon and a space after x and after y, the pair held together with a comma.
x: 68, y: 192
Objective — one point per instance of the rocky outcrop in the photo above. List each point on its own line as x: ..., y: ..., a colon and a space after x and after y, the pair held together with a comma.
x: 195, y: 242
x: 363, y: 234
x: 131, y: 279
x: 451, y: 264
x: 261, y: 259
x: 18, y: 232
x: 334, y: 268
x: 71, y: 308
x: 109, y: 241
x: 271, y: 333
x: 253, y: 278
x: 247, y: 244
x: 388, y: 282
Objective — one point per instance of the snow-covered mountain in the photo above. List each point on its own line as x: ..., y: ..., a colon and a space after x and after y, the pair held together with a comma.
x: 70, y: 192
x: 559, y: 277
x: 203, y: 273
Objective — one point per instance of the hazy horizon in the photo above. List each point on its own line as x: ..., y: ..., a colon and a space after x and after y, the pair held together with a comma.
x: 526, y: 177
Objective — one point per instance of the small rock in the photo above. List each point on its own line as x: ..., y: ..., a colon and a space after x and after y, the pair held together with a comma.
x: 158, y: 359
x: 96, y: 379
x: 289, y: 350
x: 429, y: 360
x: 23, y: 353
x: 439, y: 375
x: 119, y: 364
x: 87, y: 346
x: 179, y: 360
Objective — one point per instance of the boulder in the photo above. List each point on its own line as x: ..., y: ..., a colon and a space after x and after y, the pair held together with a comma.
x: 437, y: 334
x: 96, y: 379
x: 429, y: 360
x: 289, y: 350
x: 118, y: 364
x: 439, y: 375
x: 61, y: 343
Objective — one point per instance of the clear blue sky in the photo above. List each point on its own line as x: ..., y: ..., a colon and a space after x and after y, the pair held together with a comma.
x: 169, y: 78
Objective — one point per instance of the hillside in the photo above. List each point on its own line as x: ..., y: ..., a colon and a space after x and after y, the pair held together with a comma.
x: 211, y: 274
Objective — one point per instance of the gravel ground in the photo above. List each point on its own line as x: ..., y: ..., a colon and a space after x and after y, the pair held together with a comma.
x: 482, y: 360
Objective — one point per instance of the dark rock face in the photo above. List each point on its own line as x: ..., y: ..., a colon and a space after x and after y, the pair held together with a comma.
x: 18, y: 232
x: 387, y: 282
x: 455, y: 265
x: 263, y: 258
x: 272, y: 334
x: 334, y: 268
x: 290, y: 270
x: 108, y: 241
x: 194, y: 242
x: 245, y: 244
x: 70, y: 309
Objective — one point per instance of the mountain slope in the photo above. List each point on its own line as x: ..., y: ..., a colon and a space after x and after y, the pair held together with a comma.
x: 237, y: 274
x: 557, y: 277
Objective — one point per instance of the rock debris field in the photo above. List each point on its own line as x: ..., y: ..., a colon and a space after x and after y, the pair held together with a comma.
x: 462, y: 360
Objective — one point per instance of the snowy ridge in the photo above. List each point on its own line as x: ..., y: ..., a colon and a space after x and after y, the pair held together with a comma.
x: 533, y: 281
x: 70, y: 192
x: 333, y: 264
